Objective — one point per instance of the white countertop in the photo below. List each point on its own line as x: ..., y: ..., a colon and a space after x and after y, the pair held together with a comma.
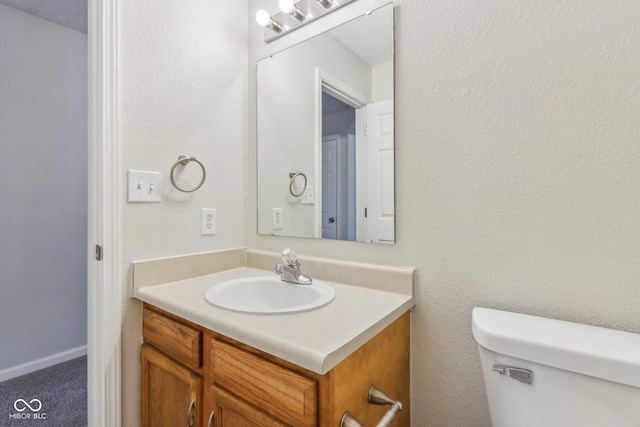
x: 316, y: 340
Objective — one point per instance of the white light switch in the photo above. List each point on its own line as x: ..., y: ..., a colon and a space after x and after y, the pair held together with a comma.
x: 144, y: 186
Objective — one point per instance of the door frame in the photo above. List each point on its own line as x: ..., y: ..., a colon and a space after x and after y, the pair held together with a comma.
x: 104, y: 302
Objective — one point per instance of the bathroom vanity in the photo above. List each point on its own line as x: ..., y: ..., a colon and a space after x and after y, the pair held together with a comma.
x: 193, y: 376
x: 206, y: 366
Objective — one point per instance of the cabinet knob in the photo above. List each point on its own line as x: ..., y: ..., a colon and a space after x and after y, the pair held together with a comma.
x: 190, y: 411
x: 212, y: 418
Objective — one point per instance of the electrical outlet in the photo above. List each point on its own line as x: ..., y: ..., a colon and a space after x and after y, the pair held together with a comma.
x: 308, y: 197
x: 208, y: 221
x: 277, y: 218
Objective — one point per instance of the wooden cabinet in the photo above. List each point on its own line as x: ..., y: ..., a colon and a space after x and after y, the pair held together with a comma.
x: 235, y: 385
x: 171, y: 393
x: 290, y: 396
x: 231, y: 411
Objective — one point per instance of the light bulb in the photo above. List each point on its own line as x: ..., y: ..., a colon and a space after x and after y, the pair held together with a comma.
x: 263, y: 17
x: 286, y: 6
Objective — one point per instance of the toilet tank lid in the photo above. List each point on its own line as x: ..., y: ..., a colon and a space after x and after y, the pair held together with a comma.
x: 590, y: 350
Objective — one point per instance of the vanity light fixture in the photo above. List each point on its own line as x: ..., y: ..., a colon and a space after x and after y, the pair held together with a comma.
x: 294, y: 15
x: 267, y: 21
x: 326, y: 3
x: 287, y: 6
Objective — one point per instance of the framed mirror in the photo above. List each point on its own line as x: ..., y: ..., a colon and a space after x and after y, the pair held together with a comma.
x: 325, y: 134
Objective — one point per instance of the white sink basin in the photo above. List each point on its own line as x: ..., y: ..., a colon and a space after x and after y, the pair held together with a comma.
x: 269, y: 294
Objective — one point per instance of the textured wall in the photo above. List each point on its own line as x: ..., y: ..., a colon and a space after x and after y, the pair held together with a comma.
x: 184, y: 78
x: 517, y: 175
x: 43, y: 188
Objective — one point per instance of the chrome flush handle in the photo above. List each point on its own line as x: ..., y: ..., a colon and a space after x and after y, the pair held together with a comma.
x: 520, y: 374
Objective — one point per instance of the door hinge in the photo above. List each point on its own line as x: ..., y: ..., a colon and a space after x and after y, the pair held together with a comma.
x: 98, y: 253
x: 365, y: 212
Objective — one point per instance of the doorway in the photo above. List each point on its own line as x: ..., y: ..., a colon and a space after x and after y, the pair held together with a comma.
x: 43, y: 123
x: 338, y: 169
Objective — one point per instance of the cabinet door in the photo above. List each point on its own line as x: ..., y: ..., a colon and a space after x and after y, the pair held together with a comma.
x: 231, y: 411
x: 171, y: 393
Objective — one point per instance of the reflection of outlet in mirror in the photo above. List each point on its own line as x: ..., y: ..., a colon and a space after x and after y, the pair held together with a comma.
x: 144, y: 186
x: 208, y: 221
x: 308, y: 196
x: 277, y: 218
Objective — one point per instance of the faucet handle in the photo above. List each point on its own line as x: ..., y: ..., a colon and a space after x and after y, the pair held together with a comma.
x: 289, y: 257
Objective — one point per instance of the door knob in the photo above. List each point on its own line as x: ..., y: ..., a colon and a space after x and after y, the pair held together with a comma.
x: 332, y: 219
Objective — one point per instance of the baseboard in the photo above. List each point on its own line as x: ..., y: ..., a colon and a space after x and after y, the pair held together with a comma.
x: 45, y: 362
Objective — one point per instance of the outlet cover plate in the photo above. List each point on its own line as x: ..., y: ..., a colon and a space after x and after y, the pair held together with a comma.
x: 209, y: 221
x: 277, y: 218
x: 308, y: 197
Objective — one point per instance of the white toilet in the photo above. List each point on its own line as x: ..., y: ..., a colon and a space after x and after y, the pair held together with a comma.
x: 549, y: 373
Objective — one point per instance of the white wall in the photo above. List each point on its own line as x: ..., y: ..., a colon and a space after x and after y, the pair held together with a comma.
x: 43, y: 188
x: 516, y: 165
x: 382, y: 82
x: 184, y: 91
x: 517, y: 175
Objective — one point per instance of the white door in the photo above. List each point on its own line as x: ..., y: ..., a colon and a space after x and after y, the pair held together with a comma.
x: 329, y: 186
x: 380, y: 202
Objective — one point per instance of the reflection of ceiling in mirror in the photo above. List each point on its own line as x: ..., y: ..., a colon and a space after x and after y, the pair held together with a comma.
x: 369, y: 36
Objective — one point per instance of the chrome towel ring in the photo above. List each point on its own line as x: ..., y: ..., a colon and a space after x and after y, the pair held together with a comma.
x: 293, y: 175
x: 184, y: 160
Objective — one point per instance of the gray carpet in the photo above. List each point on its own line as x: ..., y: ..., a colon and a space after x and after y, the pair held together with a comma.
x: 62, y: 390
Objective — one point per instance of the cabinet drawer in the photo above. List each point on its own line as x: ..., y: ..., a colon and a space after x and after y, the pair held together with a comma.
x: 279, y: 391
x: 175, y: 339
x: 232, y: 411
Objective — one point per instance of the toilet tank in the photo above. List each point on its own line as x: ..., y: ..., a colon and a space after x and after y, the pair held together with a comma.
x: 582, y: 376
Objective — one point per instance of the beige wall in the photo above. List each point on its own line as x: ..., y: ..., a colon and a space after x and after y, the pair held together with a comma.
x: 184, y: 78
x: 517, y: 175
x: 516, y: 159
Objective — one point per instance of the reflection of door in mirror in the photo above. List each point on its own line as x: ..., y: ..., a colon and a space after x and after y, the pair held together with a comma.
x: 338, y: 169
x: 379, y: 171
x: 341, y: 156
x: 329, y: 186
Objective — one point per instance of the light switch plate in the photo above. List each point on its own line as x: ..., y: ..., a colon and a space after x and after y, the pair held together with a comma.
x: 144, y: 186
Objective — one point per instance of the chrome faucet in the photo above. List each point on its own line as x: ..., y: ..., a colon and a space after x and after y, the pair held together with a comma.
x: 290, y: 270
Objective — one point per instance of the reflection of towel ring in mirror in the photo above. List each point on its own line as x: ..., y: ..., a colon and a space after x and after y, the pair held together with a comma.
x: 293, y: 175
x: 184, y: 160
